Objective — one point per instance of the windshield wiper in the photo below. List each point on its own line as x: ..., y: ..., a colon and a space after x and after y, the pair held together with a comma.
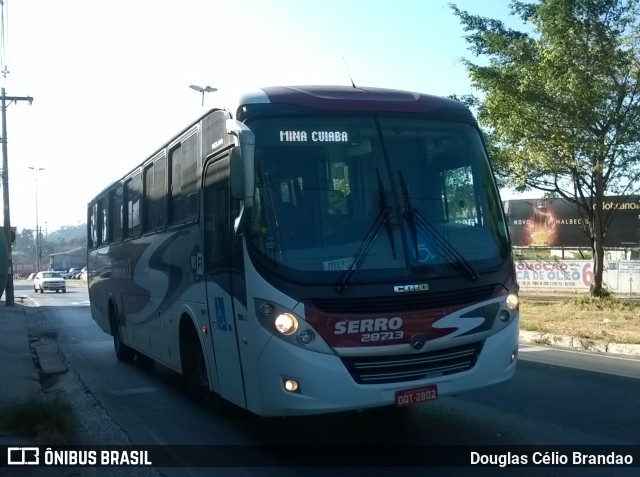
x: 415, y: 219
x: 384, y: 214
x: 382, y: 203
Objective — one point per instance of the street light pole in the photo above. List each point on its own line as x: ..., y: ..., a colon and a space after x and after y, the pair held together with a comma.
x: 38, y: 248
x: 200, y: 89
x: 8, y: 289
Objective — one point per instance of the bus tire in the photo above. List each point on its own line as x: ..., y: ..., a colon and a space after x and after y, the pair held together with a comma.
x: 123, y: 352
x: 196, y: 375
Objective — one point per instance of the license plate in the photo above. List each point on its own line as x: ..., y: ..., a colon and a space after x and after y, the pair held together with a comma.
x: 409, y: 397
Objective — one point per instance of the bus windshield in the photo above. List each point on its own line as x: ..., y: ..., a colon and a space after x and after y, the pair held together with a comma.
x: 393, y: 196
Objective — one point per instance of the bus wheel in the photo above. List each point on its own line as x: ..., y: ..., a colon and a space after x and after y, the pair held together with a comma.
x: 123, y: 352
x: 197, y: 376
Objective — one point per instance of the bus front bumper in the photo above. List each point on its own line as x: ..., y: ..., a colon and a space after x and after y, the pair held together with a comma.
x: 324, y: 385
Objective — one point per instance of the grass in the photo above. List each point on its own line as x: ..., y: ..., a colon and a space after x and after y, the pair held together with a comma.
x: 606, y: 319
x: 45, y: 419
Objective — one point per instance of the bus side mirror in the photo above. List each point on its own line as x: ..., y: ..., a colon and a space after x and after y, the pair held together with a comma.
x: 241, y: 163
x: 241, y: 175
x: 505, y: 210
x: 241, y: 168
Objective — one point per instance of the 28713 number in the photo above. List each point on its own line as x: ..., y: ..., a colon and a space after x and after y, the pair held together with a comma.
x: 381, y: 336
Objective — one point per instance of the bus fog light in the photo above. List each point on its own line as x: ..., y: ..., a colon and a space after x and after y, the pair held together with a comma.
x: 286, y: 324
x: 266, y: 309
x: 291, y: 385
x: 513, y: 301
x: 306, y: 336
x: 504, y: 316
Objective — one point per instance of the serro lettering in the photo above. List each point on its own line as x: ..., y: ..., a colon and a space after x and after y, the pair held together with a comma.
x: 368, y: 325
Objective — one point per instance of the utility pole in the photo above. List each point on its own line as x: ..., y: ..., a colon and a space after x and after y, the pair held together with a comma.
x: 9, y: 296
x: 38, y: 246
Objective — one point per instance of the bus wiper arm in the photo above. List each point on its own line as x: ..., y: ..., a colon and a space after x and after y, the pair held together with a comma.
x: 408, y: 214
x: 382, y: 203
x: 363, y: 249
x: 384, y: 214
x: 415, y: 219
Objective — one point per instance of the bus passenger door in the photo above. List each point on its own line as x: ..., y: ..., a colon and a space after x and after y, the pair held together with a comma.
x: 218, y: 238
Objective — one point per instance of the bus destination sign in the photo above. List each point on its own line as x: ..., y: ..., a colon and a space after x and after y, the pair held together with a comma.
x: 316, y: 136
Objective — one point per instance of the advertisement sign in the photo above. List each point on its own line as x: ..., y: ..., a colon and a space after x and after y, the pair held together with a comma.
x: 618, y: 276
x: 557, y: 223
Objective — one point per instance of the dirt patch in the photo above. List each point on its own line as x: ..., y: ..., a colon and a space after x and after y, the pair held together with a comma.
x: 606, y: 319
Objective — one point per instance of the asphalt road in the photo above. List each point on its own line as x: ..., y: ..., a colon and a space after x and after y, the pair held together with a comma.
x: 558, y: 397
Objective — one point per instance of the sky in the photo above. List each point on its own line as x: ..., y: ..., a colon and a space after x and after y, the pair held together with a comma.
x: 110, y: 80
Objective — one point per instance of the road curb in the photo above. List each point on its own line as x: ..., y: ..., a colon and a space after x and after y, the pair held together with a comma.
x: 579, y: 344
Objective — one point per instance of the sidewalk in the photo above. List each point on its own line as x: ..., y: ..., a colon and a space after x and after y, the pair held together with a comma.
x: 19, y: 374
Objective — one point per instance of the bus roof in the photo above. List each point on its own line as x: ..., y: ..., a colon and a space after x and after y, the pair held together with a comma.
x: 348, y: 98
x: 330, y: 98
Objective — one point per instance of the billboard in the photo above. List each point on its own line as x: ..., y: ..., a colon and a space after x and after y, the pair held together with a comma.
x: 577, y: 275
x: 557, y: 223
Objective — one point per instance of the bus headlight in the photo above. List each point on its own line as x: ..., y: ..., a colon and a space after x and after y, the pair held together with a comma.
x: 286, y: 323
x: 513, y: 301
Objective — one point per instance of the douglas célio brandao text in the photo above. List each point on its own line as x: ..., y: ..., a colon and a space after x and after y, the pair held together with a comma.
x: 550, y: 458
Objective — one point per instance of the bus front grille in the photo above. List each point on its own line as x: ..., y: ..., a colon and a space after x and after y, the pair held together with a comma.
x: 403, y: 301
x: 411, y: 367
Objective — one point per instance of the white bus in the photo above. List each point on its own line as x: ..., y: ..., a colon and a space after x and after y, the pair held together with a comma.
x: 311, y: 250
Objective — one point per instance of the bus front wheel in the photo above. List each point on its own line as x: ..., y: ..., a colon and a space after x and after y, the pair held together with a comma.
x: 197, y: 377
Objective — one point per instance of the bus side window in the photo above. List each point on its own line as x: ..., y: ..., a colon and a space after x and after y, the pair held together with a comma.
x: 183, y: 190
x: 154, y: 195
x: 115, y: 210
x: 103, y: 221
x: 93, y: 225
x: 132, y: 193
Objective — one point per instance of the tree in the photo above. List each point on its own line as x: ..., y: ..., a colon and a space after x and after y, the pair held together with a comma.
x: 562, y: 103
x: 25, y: 246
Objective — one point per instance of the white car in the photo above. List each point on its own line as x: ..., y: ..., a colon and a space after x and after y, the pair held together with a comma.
x: 49, y: 281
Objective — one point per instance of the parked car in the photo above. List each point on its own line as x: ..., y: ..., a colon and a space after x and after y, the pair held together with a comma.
x: 74, y: 273
x: 49, y: 281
